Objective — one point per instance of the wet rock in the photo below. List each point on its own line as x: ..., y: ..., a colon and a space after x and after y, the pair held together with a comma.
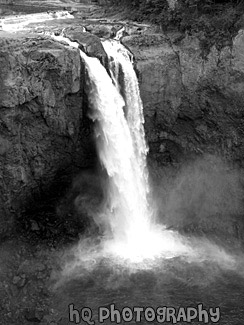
x: 89, y: 43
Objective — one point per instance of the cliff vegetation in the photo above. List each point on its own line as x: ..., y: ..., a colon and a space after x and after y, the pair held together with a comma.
x: 216, y: 22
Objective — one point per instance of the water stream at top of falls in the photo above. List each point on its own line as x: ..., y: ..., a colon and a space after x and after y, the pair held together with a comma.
x: 21, y: 22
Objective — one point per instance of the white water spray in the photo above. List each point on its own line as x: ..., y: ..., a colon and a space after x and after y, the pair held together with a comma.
x: 134, y: 238
x: 122, y: 151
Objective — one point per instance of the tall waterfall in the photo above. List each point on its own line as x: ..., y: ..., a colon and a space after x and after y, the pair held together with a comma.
x: 122, y: 147
x: 118, y: 115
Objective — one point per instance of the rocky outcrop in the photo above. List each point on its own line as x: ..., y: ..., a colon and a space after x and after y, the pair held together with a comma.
x: 43, y: 130
x: 89, y: 43
x: 192, y: 104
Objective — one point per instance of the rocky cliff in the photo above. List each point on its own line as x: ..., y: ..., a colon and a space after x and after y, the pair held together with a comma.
x: 193, y: 104
x: 44, y: 131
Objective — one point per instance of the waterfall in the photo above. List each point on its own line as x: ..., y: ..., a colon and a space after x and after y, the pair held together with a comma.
x: 129, y: 181
x: 120, y: 62
x: 116, y: 109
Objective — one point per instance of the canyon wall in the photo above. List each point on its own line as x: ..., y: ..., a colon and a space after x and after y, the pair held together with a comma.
x: 44, y: 132
x: 193, y: 102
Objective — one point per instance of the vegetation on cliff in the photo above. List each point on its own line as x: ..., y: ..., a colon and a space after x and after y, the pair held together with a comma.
x: 215, y: 21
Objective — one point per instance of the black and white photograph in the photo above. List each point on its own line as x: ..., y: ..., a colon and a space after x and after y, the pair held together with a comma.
x: 121, y: 162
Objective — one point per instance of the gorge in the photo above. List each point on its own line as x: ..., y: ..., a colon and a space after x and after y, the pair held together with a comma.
x: 66, y: 103
x: 192, y: 106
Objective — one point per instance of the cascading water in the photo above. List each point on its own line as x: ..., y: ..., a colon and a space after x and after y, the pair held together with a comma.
x: 129, y: 183
x: 122, y: 149
x: 129, y: 180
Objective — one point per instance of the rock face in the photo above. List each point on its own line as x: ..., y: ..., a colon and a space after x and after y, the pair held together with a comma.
x: 192, y: 105
x: 89, y: 43
x: 43, y: 128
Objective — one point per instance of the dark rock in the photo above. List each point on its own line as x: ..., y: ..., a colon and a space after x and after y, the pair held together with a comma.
x: 192, y: 105
x: 16, y: 279
x: 31, y: 267
x: 196, y: 101
x: 34, y: 315
x: 4, y: 146
x: 19, y: 281
x: 43, y: 130
x: 34, y: 226
x: 89, y: 43
x: 103, y: 30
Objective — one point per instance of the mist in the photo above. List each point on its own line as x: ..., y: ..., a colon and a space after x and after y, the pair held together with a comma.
x: 203, y: 197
